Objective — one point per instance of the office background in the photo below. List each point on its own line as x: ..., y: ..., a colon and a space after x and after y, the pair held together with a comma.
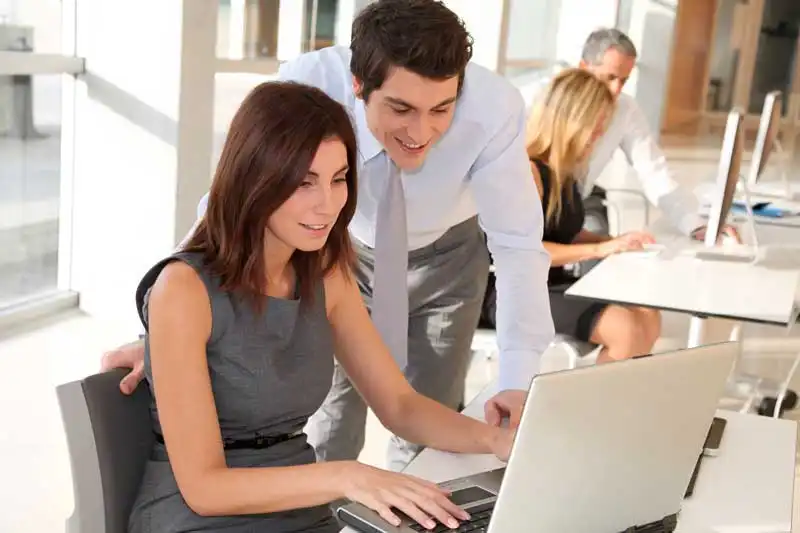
x: 112, y: 114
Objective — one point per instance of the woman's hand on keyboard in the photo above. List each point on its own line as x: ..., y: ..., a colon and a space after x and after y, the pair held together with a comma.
x: 634, y: 240
x: 381, y: 491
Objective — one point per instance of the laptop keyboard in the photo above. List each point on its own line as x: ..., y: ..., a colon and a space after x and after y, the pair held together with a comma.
x: 478, y: 521
x: 480, y: 515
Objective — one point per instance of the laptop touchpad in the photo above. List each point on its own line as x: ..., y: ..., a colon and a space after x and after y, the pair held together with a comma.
x: 470, y: 495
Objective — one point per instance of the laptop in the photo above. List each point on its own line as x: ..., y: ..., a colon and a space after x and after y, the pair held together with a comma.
x: 605, y: 448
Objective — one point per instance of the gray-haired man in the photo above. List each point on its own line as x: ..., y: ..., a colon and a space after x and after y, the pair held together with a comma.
x: 611, y: 55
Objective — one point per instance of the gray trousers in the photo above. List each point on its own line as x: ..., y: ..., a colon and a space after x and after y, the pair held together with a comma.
x: 446, y: 284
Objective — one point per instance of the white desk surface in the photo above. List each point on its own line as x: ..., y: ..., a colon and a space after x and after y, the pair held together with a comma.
x: 748, y: 487
x: 736, y: 291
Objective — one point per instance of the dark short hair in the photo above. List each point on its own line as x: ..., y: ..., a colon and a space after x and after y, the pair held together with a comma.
x: 423, y: 36
x: 271, y: 143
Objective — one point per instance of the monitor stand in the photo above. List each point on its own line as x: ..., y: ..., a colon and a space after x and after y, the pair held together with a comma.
x: 740, y: 253
x: 783, y: 188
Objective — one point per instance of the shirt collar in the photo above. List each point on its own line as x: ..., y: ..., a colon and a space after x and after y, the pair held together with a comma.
x: 368, y: 145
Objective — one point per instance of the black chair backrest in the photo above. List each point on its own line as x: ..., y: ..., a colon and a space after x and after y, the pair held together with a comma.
x: 123, y: 439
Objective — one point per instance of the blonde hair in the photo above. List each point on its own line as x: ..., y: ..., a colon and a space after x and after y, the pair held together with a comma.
x: 561, y: 126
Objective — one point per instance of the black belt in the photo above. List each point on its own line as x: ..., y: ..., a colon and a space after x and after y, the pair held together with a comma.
x: 257, y: 443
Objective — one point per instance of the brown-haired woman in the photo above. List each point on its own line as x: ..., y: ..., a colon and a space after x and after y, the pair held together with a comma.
x: 242, y: 327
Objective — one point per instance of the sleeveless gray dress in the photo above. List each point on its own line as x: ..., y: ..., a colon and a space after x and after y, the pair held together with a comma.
x: 269, y: 373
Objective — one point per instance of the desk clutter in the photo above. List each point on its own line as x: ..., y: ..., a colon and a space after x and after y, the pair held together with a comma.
x: 766, y: 209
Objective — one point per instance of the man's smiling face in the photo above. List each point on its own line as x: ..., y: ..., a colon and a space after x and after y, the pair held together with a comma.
x: 409, y: 113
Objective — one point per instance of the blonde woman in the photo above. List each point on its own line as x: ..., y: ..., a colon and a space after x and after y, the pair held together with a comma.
x: 563, y: 125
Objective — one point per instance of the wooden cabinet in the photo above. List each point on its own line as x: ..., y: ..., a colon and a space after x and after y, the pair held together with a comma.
x: 728, y: 54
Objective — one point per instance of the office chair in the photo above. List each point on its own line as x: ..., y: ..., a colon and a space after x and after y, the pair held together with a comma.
x: 576, y: 350
x: 109, y: 436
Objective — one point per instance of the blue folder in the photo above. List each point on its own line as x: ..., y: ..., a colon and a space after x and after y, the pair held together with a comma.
x: 762, y: 209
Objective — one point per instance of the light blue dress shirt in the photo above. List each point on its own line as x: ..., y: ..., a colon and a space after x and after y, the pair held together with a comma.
x: 479, y: 166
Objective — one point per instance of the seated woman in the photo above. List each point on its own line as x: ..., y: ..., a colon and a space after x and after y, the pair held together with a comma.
x: 242, y: 327
x: 562, y: 127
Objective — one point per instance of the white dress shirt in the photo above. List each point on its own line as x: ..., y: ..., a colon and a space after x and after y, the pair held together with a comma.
x: 479, y: 166
x: 628, y: 130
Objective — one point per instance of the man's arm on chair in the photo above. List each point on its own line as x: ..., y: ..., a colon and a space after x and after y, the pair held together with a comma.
x: 131, y: 355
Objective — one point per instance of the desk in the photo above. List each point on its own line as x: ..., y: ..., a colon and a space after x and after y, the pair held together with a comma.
x: 747, y: 488
x: 734, y: 291
x: 741, y: 292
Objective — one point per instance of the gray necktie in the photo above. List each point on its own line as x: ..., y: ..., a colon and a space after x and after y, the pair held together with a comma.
x: 390, y: 287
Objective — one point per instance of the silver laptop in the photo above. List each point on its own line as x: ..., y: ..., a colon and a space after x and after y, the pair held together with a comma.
x: 603, y: 448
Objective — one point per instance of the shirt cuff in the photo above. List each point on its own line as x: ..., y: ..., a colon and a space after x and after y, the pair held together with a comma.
x: 517, y: 368
x: 691, y: 223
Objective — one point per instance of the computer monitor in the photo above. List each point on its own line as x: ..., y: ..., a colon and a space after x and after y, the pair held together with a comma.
x: 767, y: 136
x: 730, y: 161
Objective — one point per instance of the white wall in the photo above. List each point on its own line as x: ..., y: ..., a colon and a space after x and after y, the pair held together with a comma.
x: 142, y: 141
x: 533, y: 29
x: 483, y: 20
x: 555, y: 30
x: 578, y: 19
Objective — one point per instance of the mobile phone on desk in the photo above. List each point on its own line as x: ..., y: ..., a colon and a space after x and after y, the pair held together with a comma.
x: 714, y: 437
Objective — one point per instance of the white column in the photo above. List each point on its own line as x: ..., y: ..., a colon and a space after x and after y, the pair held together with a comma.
x: 291, y: 22
x: 346, y: 10
x: 143, y: 138
x: 236, y: 21
x: 651, y: 27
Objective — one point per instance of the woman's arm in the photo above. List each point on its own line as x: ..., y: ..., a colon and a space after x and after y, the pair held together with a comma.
x: 585, y: 237
x: 179, y: 327
x: 380, y: 382
x: 565, y: 254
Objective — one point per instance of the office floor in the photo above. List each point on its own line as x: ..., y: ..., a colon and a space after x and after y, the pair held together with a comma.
x: 36, y: 487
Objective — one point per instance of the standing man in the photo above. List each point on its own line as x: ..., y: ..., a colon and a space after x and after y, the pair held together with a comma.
x: 442, y: 143
x: 611, y: 55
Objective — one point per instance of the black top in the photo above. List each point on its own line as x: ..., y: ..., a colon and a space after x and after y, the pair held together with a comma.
x: 566, y: 226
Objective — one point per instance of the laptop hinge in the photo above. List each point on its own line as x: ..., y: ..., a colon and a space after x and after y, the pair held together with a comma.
x: 665, y: 525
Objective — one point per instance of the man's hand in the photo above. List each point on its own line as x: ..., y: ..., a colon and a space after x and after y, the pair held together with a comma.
x: 727, y: 231
x: 131, y: 356
x: 505, y: 404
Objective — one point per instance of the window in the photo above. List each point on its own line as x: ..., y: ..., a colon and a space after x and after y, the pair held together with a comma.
x: 36, y: 83
x: 31, y: 26
x: 277, y: 29
x: 30, y: 178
